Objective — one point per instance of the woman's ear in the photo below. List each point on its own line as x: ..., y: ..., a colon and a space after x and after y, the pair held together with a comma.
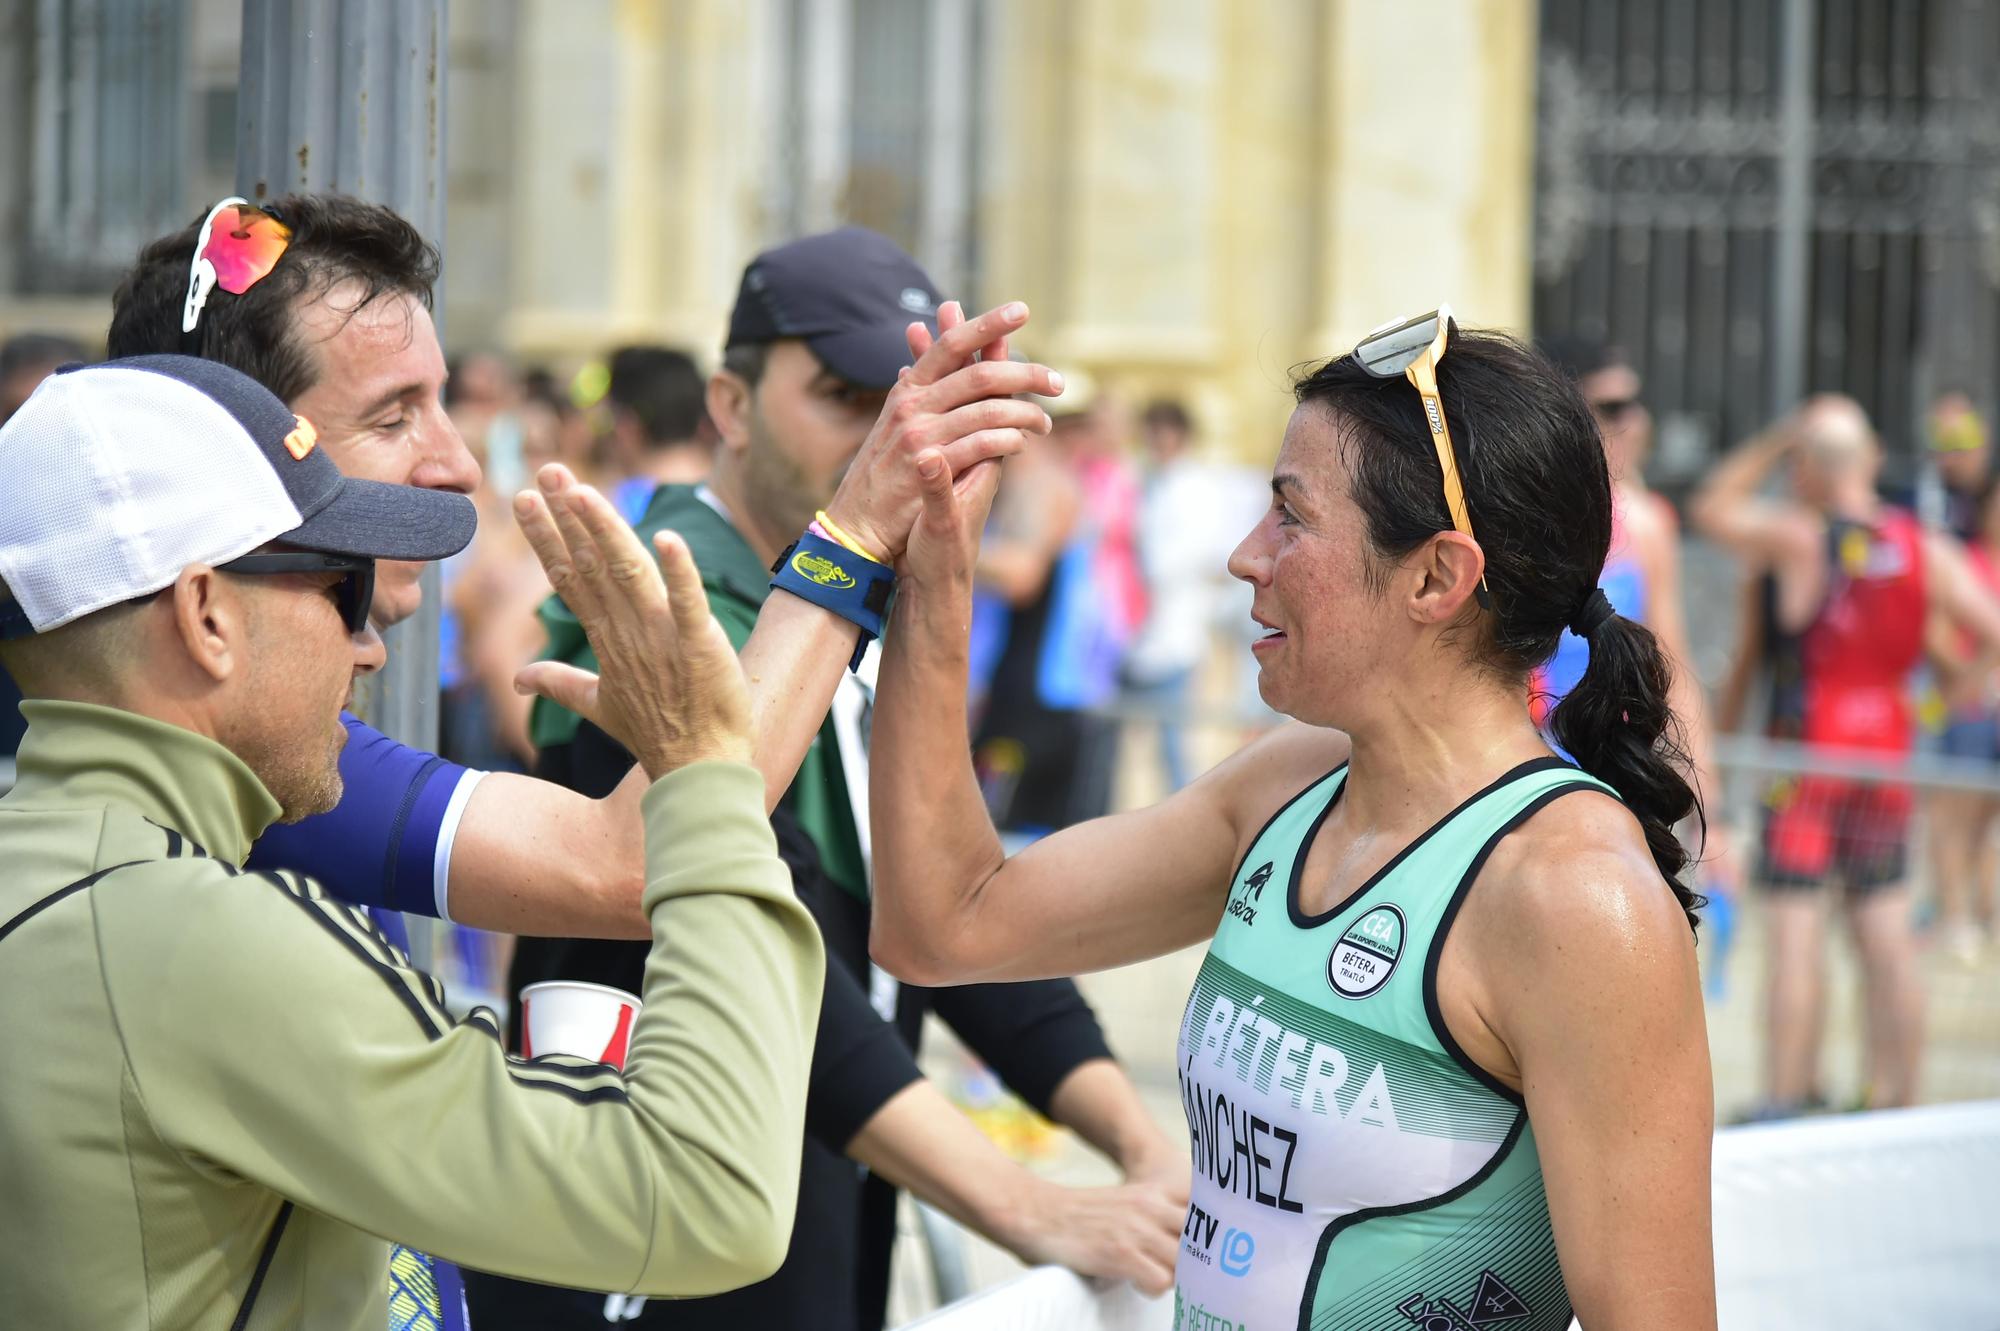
x: 1449, y: 567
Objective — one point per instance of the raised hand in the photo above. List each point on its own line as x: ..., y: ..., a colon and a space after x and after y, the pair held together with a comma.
x: 944, y: 543
x: 952, y: 402
x: 669, y: 687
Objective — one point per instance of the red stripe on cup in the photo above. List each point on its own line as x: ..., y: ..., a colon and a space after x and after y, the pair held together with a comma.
x: 614, y: 1053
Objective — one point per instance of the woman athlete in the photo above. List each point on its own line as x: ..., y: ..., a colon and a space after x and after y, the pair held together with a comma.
x: 1444, y: 1066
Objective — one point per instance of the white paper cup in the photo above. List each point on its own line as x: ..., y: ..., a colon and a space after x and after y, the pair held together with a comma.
x: 592, y: 1021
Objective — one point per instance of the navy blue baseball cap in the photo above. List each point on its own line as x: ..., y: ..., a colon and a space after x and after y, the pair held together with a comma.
x: 848, y: 294
x: 119, y: 475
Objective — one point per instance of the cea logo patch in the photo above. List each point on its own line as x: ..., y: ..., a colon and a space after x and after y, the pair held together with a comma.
x: 1366, y: 955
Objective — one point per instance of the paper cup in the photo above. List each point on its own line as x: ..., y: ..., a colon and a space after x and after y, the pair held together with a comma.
x: 592, y: 1021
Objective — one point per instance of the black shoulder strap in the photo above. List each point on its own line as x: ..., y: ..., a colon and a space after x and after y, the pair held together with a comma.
x: 263, y: 1267
x: 57, y: 895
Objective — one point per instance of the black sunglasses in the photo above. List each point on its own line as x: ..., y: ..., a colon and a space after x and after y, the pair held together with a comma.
x: 354, y: 593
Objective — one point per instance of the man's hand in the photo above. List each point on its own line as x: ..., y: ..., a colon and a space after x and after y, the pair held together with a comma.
x: 944, y: 543
x: 952, y: 403
x: 1129, y: 1232
x: 671, y: 690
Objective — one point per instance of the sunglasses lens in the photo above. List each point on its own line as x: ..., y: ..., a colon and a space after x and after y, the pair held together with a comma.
x: 1390, y: 350
x: 243, y: 246
x: 357, y: 594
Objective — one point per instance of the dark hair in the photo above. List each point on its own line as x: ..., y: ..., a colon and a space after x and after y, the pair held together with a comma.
x: 1164, y: 413
x: 38, y: 351
x: 335, y: 239
x: 661, y: 388
x: 1539, y: 496
x: 538, y: 384
x: 746, y: 360
x: 1580, y: 356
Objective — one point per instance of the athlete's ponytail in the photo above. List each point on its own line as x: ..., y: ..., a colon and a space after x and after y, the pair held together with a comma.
x: 1617, y: 725
x: 1539, y: 496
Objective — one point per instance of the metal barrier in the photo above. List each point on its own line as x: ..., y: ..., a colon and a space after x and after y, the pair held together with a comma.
x: 1775, y: 757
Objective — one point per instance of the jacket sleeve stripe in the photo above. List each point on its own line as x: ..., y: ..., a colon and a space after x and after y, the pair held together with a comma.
x: 386, y: 954
x: 583, y: 1095
x: 350, y: 939
x: 586, y: 1085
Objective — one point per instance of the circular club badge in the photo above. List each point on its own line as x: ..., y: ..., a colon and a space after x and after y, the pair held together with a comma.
x: 1366, y: 954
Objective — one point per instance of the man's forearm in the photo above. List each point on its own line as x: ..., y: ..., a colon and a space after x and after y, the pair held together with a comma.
x: 536, y: 858
x: 919, y: 1141
x: 1737, y: 478
x: 1098, y: 1102
x: 794, y: 659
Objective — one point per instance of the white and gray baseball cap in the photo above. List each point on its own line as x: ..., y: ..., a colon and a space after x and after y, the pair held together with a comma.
x: 119, y: 475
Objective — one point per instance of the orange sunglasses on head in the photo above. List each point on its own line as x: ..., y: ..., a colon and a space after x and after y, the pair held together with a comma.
x: 1413, y: 348
x: 238, y: 247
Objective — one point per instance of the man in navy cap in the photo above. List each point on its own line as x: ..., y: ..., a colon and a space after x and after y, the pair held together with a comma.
x: 817, y: 351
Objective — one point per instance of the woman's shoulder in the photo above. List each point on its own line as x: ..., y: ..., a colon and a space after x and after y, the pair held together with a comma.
x: 1264, y: 775
x: 1577, y: 870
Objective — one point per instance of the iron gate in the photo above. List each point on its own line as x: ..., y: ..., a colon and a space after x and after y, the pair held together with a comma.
x: 1758, y: 199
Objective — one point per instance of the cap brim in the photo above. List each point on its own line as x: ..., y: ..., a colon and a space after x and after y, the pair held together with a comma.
x: 869, y: 356
x: 380, y: 521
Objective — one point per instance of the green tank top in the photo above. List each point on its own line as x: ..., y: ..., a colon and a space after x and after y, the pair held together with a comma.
x: 1353, y: 1169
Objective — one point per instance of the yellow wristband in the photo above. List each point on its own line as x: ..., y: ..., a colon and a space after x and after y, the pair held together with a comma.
x: 833, y: 530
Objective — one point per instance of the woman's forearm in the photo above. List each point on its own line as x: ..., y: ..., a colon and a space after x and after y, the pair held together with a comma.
x: 934, y: 844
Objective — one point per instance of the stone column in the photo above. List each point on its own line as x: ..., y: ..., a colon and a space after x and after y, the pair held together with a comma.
x: 1429, y: 165
x: 1196, y: 196
x: 638, y: 171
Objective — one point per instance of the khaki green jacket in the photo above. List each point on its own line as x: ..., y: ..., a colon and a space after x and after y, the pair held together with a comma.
x: 222, y: 1087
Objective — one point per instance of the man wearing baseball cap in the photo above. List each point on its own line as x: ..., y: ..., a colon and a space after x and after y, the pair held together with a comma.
x: 227, y: 1096
x: 324, y: 300
x: 817, y: 351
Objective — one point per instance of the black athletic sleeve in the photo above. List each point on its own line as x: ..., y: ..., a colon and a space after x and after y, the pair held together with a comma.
x: 859, y: 1061
x: 1033, y: 1033
x: 858, y: 1064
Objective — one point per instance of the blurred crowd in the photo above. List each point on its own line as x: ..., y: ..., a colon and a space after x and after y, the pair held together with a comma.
x: 1863, y: 647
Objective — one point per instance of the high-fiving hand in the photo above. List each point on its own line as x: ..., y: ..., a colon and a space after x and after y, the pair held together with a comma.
x: 958, y: 402
x: 669, y: 687
x: 943, y: 544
